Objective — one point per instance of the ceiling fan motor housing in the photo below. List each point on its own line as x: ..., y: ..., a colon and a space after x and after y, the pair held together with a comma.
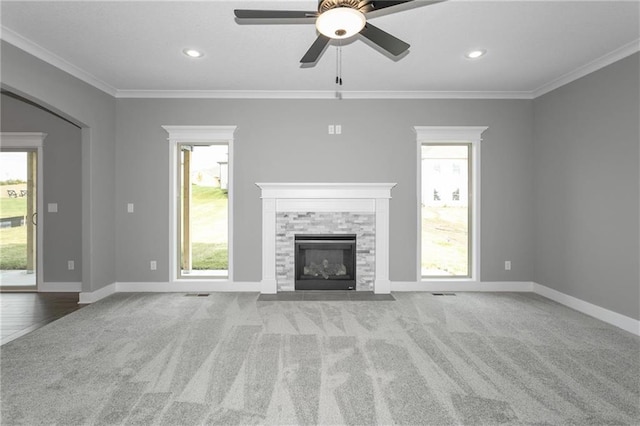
x: 362, y: 6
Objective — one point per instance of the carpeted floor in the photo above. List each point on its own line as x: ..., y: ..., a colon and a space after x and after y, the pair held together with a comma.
x: 473, y: 358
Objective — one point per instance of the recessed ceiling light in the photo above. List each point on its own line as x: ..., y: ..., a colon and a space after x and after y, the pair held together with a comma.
x: 475, y: 54
x: 193, y: 53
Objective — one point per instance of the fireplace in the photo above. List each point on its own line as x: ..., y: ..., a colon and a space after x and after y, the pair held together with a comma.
x: 289, y: 209
x: 325, y: 262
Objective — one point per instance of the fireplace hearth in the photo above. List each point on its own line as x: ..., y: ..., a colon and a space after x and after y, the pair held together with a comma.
x: 325, y: 262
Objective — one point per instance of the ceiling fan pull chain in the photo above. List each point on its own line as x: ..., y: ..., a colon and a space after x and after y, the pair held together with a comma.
x: 340, y: 56
x: 337, y: 66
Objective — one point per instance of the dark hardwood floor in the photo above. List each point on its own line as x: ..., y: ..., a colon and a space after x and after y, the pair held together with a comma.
x: 21, y: 313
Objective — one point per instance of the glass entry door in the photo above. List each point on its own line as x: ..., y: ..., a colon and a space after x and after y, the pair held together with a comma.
x: 18, y: 219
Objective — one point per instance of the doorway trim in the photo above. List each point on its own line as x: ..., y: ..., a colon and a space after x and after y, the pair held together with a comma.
x: 452, y: 135
x: 196, y: 134
x: 31, y: 141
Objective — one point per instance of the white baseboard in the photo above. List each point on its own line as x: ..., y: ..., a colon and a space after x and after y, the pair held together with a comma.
x: 382, y: 287
x: 187, y: 286
x: 621, y: 321
x: 268, y: 286
x: 94, y: 296
x: 60, y: 287
x: 167, y: 287
x: 516, y: 286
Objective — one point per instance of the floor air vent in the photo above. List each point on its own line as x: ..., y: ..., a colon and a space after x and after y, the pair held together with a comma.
x: 443, y: 294
x: 197, y: 294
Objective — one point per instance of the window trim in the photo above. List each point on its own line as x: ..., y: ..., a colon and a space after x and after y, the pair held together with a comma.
x: 451, y: 135
x: 196, y: 135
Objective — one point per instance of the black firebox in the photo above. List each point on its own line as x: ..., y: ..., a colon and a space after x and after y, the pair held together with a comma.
x: 325, y: 262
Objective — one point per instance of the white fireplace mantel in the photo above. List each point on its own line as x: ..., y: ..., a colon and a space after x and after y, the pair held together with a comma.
x: 327, y: 197
x: 326, y: 190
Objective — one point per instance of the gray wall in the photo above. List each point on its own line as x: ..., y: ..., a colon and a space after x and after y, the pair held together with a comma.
x: 560, y: 177
x: 587, y: 188
x: 61, y: 184
x: 95, y: 111
x: 287, y: 141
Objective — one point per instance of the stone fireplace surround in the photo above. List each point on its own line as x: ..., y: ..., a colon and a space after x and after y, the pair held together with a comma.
x: 356, y: 198
x: 290, y: 224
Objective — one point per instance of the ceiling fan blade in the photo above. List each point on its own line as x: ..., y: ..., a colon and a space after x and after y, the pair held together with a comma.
x: 376, y: 5
x: 391, y: 44
x: 382, y: 4
x: 273, y: 14
x: 315, y: 50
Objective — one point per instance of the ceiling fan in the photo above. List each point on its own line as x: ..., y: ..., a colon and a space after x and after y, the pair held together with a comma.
x: 338, y: 19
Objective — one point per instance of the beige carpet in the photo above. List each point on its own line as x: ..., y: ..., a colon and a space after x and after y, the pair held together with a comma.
x: 228, y: 358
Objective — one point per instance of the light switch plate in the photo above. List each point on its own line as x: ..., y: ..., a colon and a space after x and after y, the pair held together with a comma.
x: 130, y: 208
x: 52, y: 207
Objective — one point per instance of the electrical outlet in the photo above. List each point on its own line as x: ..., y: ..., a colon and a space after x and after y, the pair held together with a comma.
x: 153, y: 265
x: 338, y: 129
x: 332, y: 129
x: 130, y: 208
x: 52, y: 207
x: 507, y: 265
x: 71, y: 265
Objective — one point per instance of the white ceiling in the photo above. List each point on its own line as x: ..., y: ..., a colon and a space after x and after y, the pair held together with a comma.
x: 134, y: 48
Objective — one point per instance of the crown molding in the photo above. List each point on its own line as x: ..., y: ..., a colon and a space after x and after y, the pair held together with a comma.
x: 611, y: 57
x: 317, y: 94
x: 43, y: 54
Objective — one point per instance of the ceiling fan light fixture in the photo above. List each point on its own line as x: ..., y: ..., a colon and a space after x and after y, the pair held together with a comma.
x: 340, y: 22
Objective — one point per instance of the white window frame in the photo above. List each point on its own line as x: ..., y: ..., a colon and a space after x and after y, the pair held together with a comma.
x: 198, y: 135
x: 452, y: 135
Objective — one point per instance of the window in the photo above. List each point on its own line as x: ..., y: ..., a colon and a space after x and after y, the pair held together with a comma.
x: 204, y: 206
x: 446, y: 237
x: 201, y: 188
x: 22, y: 186
x: 448, y: 208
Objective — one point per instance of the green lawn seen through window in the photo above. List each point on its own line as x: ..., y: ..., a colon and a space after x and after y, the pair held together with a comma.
x: 13, y: 241
x: 209, y: 215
